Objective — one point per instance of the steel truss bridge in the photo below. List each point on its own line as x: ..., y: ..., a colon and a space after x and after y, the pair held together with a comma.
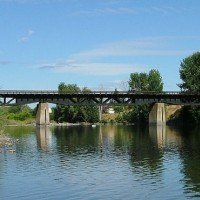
x: 20, y: 97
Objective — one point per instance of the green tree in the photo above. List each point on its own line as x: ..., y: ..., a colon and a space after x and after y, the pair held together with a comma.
x: 68, y: 88
x: 151, y: 81
x: 138, y: 81
x: 73, y: 114
x: 190, y: 73
x: 155, y: 82
x: 21, y: 112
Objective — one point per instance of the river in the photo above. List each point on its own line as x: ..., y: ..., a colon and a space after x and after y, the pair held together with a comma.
x: 102, y: 163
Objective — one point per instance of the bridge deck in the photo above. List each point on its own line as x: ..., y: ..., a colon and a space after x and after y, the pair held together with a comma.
x: 19, y: 97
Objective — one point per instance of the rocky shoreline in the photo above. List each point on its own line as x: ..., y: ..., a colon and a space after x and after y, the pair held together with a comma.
x: 6, y: 143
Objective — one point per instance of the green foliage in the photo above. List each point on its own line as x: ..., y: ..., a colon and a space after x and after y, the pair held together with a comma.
x: 86, y: 90
x: 146, y: 82
x: 151, y: 81
x: 190, y: 73
x: 119, y: 118
x: 19, y: 113
x: 75, y: 114
x: 19, y: 116
x: 118, y: 109
x: 155, y: 81
x: 69, y: 88
x: 138, y: 81
x: 137, y: 114
x: 189, y: 116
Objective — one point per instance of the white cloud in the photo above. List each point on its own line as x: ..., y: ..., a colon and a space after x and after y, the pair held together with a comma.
x: 140, y: 47
x: 27, y: 36
x: 163, y: 10
x: 117, y: 9
x: 96, y: 61
x: 92, y: 68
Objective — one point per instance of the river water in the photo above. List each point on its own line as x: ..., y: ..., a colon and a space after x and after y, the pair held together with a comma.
x: 102, y: 163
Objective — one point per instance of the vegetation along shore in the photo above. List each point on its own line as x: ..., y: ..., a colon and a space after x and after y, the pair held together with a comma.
x: 134, y: 114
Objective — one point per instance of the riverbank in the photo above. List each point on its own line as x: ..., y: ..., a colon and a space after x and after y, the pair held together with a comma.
x: 6, y: 143
x: 172, y: 115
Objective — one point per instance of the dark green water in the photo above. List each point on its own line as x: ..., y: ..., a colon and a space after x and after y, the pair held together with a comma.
x: 106, y: 162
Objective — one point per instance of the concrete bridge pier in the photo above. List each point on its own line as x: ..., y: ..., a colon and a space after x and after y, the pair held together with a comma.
x: 157, y: 114
x: 42, y: 116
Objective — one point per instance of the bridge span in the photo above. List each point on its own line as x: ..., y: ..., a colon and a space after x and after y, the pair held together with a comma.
x: 98, y: 98
x: 20, y: 97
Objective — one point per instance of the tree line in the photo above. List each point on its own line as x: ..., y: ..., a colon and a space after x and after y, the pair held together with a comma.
x: 151, y: 81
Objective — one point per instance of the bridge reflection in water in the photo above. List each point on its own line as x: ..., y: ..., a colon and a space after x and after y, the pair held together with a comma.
x: 44, y: 137
x: 106, y: 135
x: 160, y: 162
x: 157, y: 134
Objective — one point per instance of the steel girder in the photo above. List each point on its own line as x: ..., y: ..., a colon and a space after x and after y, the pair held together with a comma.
x: 8, y: 98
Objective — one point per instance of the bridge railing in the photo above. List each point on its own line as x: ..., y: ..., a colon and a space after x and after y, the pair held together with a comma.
x: 84, y: 92
x: 29, y: 92
x: 15, y: 92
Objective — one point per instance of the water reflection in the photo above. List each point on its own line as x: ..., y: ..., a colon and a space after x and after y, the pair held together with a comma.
x: 190, y: 155
x: 77, y: 141
x: 121, y: 143
x: 44, y: 137
x: 108, y: 158
x: 157, y: 134
x: 146, y: 155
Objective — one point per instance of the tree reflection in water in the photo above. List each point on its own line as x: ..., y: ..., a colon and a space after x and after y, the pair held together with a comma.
x: 150, y: 150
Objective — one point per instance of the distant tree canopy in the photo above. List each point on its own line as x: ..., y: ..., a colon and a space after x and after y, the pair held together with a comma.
x: 190, y: 73
x: 20, y: 113
x: 73, y: 114
x: 151, y: 81
x: 69, y: 88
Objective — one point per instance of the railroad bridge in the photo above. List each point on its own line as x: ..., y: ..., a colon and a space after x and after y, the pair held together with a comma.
x: 158, y: 99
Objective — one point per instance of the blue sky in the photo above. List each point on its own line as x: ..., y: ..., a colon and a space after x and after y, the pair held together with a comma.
x: 94, y: 43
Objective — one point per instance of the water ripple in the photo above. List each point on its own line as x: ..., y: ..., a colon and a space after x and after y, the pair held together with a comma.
x: 121, y: 164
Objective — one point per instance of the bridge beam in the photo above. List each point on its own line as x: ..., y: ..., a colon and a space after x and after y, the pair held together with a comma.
x: 157, y: 114
x: 42, y: 116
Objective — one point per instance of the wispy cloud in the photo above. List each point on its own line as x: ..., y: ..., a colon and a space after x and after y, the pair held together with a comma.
x: 129, y: 10
x: 108, y: 7
x: 92, y: 68
x: 165, y: 10
x: 107, y: 10
x: 16, y: 1
x: 30, y: 1
x: 2, y: 62
x: 27, y: 36
x: 97, y: 61
x: 155, y: 46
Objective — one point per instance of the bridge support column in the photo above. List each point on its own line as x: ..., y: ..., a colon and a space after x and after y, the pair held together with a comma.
x: 157, y: 114
x: 100, y: 113
x: 42, y: 116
